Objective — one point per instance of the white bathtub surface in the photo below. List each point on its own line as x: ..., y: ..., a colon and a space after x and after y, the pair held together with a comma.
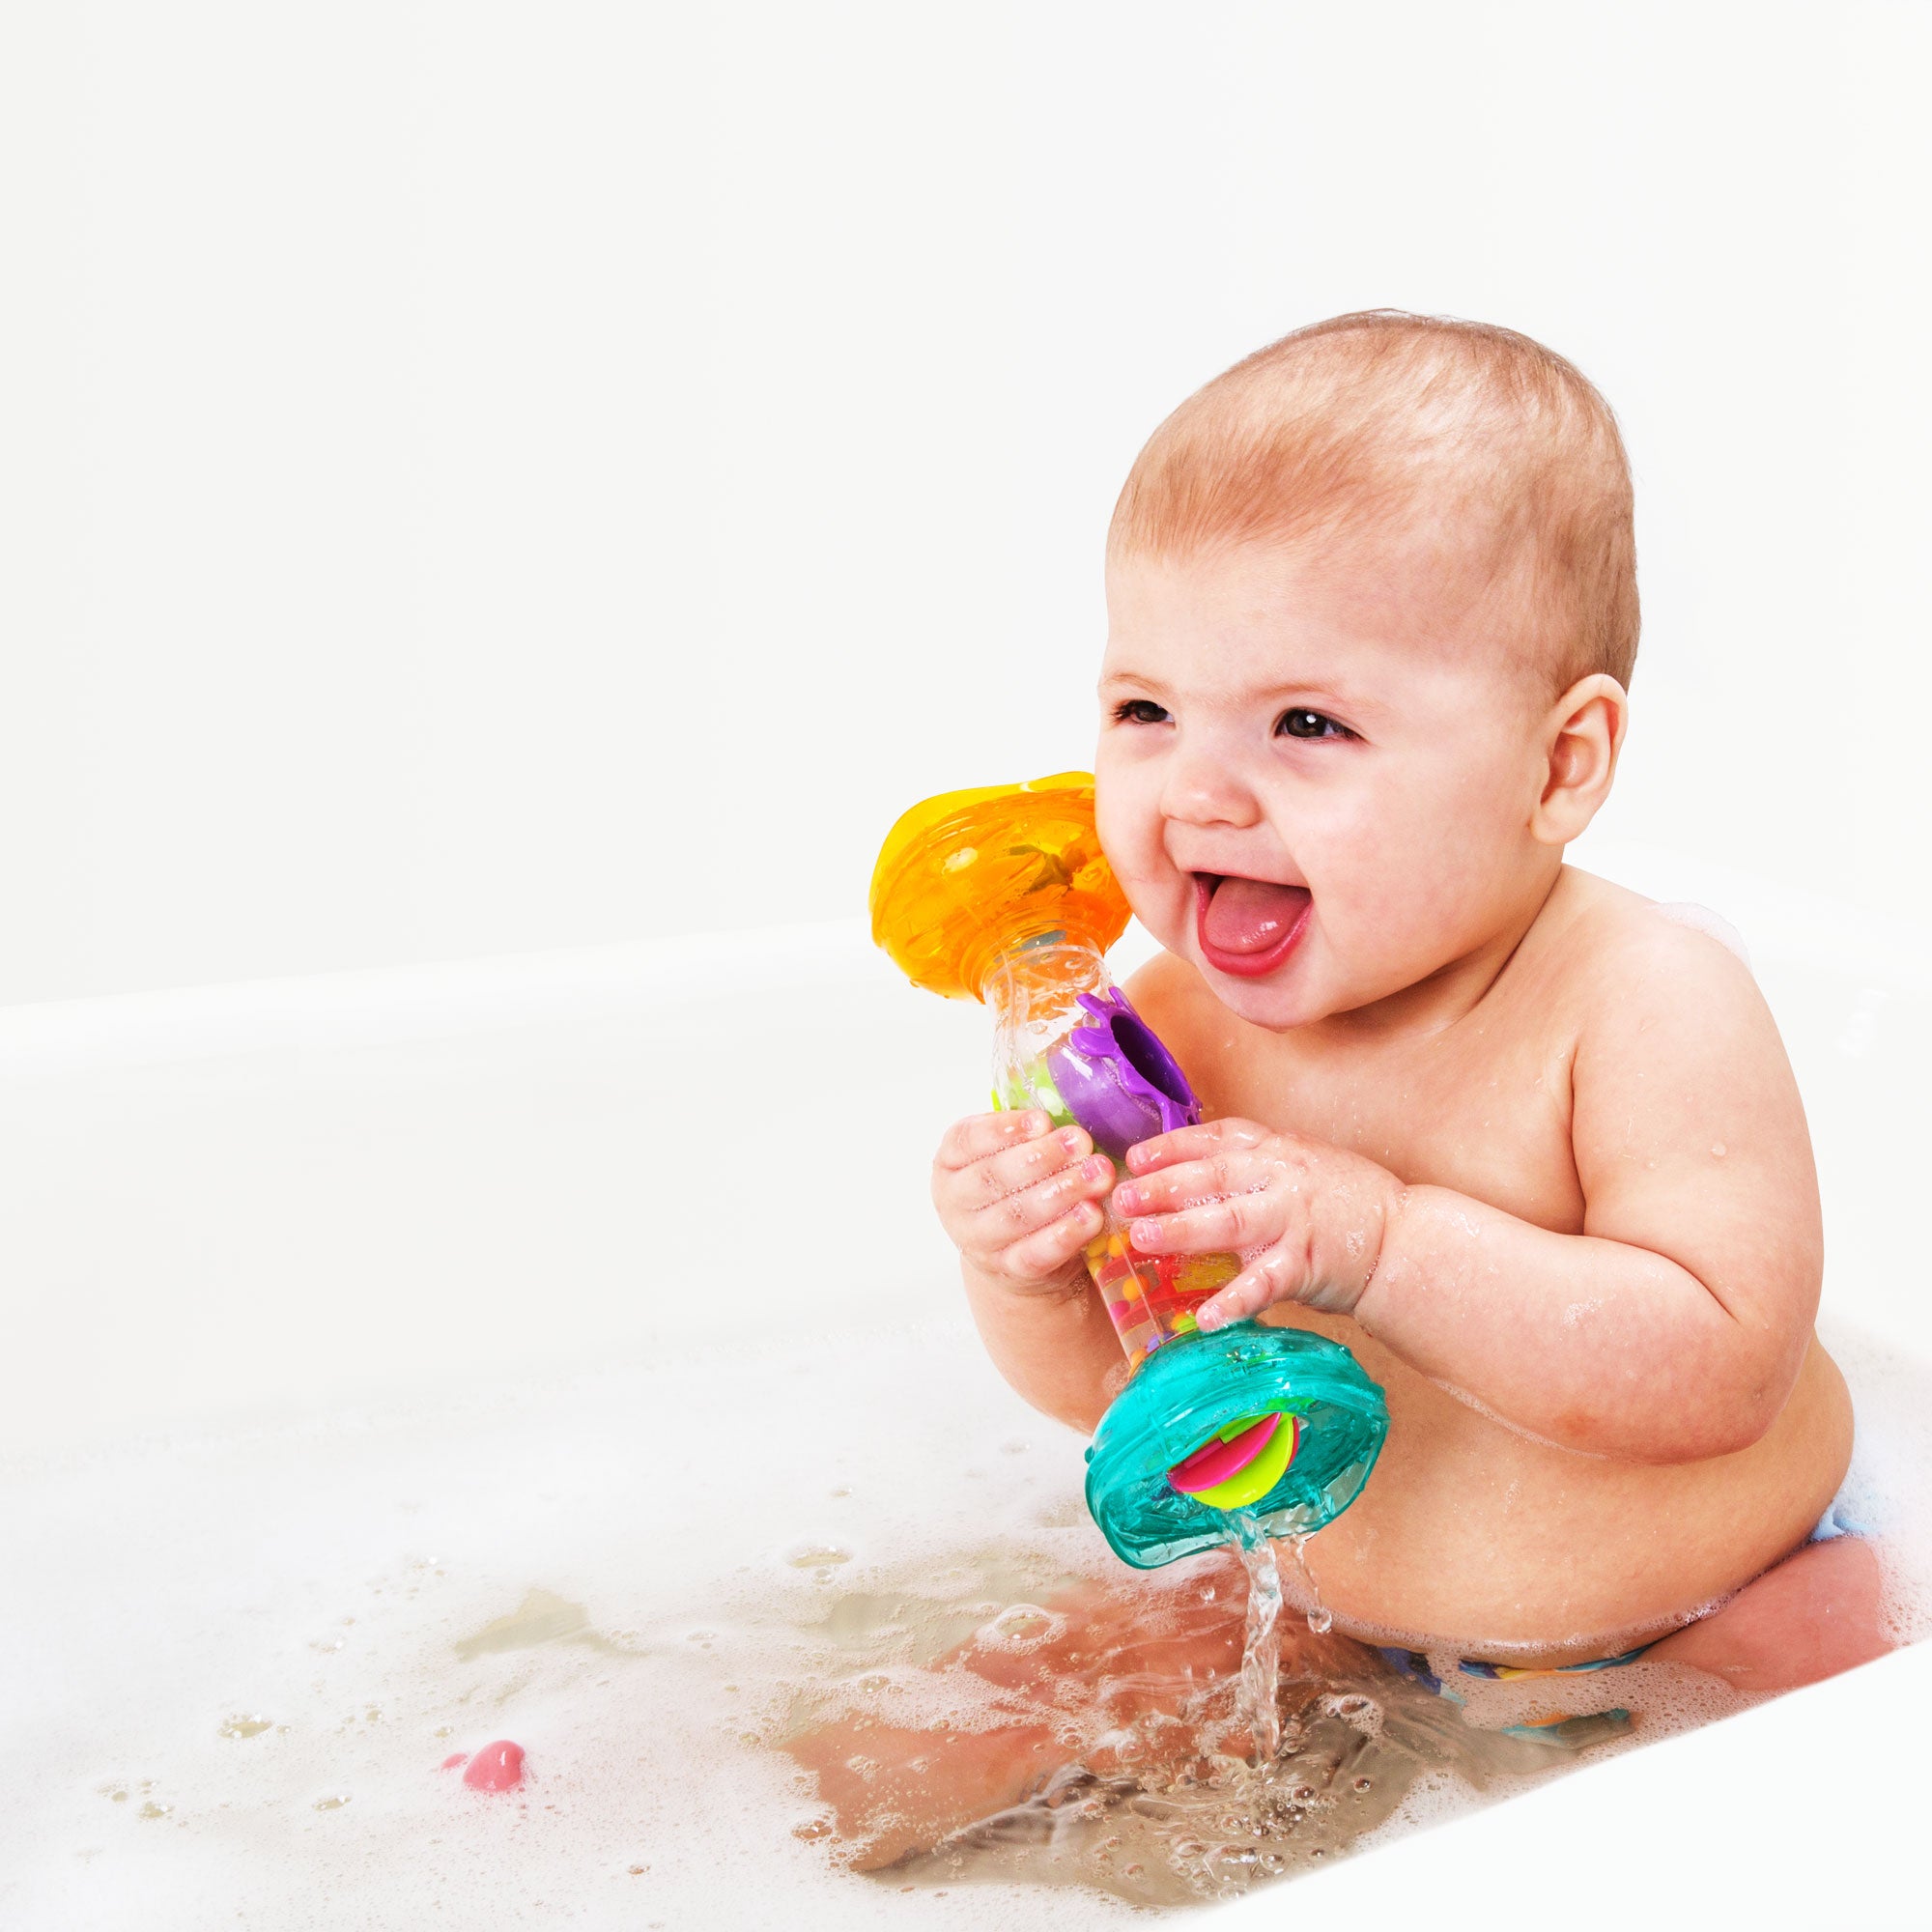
x: 1806, y: 1811
x: 250, y: 1206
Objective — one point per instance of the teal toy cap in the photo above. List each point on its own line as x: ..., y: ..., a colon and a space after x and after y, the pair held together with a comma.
x: 1204, y: 1386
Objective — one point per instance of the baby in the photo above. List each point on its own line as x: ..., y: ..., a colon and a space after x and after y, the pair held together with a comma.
x: 1528, y: 1146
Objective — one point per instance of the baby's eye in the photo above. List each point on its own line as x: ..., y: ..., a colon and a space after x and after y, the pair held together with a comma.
x: 1310, y: 725
x: 1139, y: 711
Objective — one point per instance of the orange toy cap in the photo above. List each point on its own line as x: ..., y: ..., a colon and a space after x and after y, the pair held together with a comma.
x: 963, y: 877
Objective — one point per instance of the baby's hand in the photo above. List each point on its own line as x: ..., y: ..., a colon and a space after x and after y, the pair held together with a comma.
x: 1307, y: 1219
x: 1018, y: 1202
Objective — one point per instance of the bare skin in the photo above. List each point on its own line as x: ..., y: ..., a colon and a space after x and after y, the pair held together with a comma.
x: 896, y: 1789
x: 1529, y: 1149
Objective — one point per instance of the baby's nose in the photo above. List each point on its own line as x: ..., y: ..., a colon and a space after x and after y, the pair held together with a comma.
x: 1205, y: 790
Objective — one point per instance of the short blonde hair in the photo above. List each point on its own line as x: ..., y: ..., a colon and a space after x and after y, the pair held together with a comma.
x: 1410, y: 420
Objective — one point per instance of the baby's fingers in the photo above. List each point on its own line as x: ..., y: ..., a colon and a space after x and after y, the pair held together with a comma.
x: 1244, y: 1221
x: 1197, y: 1143
x: 1044, y: 1255
x: 1188, y: 1182
x: 1271, y: 1279
x: 1062, y: 1206
x: 979, y: 1135
x: 1015, y: 1166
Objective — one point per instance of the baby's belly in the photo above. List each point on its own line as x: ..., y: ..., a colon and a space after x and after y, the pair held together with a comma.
x: 1471, y: 1536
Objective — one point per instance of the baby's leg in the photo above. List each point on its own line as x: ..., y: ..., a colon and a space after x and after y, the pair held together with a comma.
x: 1107, y: 1688
x: 1810, y: 1617
x: 894, y: 1791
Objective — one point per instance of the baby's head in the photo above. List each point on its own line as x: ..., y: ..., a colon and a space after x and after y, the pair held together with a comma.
x: 1373, y: 610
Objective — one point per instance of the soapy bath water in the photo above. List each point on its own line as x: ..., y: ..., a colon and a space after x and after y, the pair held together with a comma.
x: 240, y: 1665
x: 1178, y: 1806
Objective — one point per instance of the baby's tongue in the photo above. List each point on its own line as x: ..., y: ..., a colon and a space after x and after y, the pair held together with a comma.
x: 1250, y: 915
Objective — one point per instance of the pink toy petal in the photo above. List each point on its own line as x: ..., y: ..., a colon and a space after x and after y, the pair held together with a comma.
x: 454, y: 1759
x: 1214, y: 1461
x: 497, y: 1767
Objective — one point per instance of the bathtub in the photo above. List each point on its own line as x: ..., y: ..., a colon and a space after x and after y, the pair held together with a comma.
x: 249, y: 1228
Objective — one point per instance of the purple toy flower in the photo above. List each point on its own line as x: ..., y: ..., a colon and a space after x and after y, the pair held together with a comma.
x: 1116, y: 1079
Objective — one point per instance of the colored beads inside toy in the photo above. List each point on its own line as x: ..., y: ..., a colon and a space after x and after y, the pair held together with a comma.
x: 1152, y: 1299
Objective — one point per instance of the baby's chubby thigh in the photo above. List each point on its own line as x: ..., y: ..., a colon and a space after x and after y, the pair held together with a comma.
x: 1112, y: 1680
x: 1814, y: 1614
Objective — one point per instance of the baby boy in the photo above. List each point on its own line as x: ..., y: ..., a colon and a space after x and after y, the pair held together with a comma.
x: 1528, y: 1146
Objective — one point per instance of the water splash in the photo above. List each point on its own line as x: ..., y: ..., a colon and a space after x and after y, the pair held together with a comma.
x: 1258, y: 1705
x: 1320, y: 1618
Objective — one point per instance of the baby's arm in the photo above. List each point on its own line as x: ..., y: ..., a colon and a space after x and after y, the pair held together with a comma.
x: 1021, y: 1204
x: 1670, y: 1328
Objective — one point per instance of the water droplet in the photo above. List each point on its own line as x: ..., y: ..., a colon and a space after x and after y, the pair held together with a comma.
x: 150, y: 1810
x: 1717, y: 1148
x: 246, y: 1725
x: 334, y: 1804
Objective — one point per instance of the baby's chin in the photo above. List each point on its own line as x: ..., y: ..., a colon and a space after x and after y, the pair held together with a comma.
x: 1295, y: 994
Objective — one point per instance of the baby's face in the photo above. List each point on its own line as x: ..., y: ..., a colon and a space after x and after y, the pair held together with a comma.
x: 1316, y: 781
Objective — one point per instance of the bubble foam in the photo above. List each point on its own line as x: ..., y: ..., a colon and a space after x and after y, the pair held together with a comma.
x: 250, y: 1660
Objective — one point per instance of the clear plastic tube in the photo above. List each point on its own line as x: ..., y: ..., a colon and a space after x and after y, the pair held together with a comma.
x: 1043, y: 996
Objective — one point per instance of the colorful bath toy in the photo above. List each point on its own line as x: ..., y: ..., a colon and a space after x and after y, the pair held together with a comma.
x: 1003, y: 895
x: 496, y: 1767
x: 1239, y: 1466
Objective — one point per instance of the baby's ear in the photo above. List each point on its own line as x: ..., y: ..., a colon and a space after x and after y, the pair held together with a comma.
x: 1582, y: 733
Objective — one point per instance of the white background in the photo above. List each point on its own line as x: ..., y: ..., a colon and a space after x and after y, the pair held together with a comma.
x: 478, y: 478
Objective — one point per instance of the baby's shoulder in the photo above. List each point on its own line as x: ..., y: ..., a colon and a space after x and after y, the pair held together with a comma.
x: 1625, y: 963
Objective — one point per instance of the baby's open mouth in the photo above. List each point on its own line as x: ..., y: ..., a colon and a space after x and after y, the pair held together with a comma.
x: 1248, y: 927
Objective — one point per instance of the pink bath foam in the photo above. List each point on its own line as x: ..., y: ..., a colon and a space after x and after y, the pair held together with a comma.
x: 497, y: 1767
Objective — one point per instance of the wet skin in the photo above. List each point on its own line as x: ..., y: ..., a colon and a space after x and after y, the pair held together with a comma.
x: 1471, y: 1531
x: 1529, y: 1149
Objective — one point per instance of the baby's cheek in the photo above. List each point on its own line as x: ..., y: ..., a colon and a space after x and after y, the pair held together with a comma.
x: 1164, y: 909
x: 1397, y: 897
x: 1161, y: 896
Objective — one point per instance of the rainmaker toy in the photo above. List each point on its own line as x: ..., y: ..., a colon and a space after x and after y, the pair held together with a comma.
x: 1003, y: 895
